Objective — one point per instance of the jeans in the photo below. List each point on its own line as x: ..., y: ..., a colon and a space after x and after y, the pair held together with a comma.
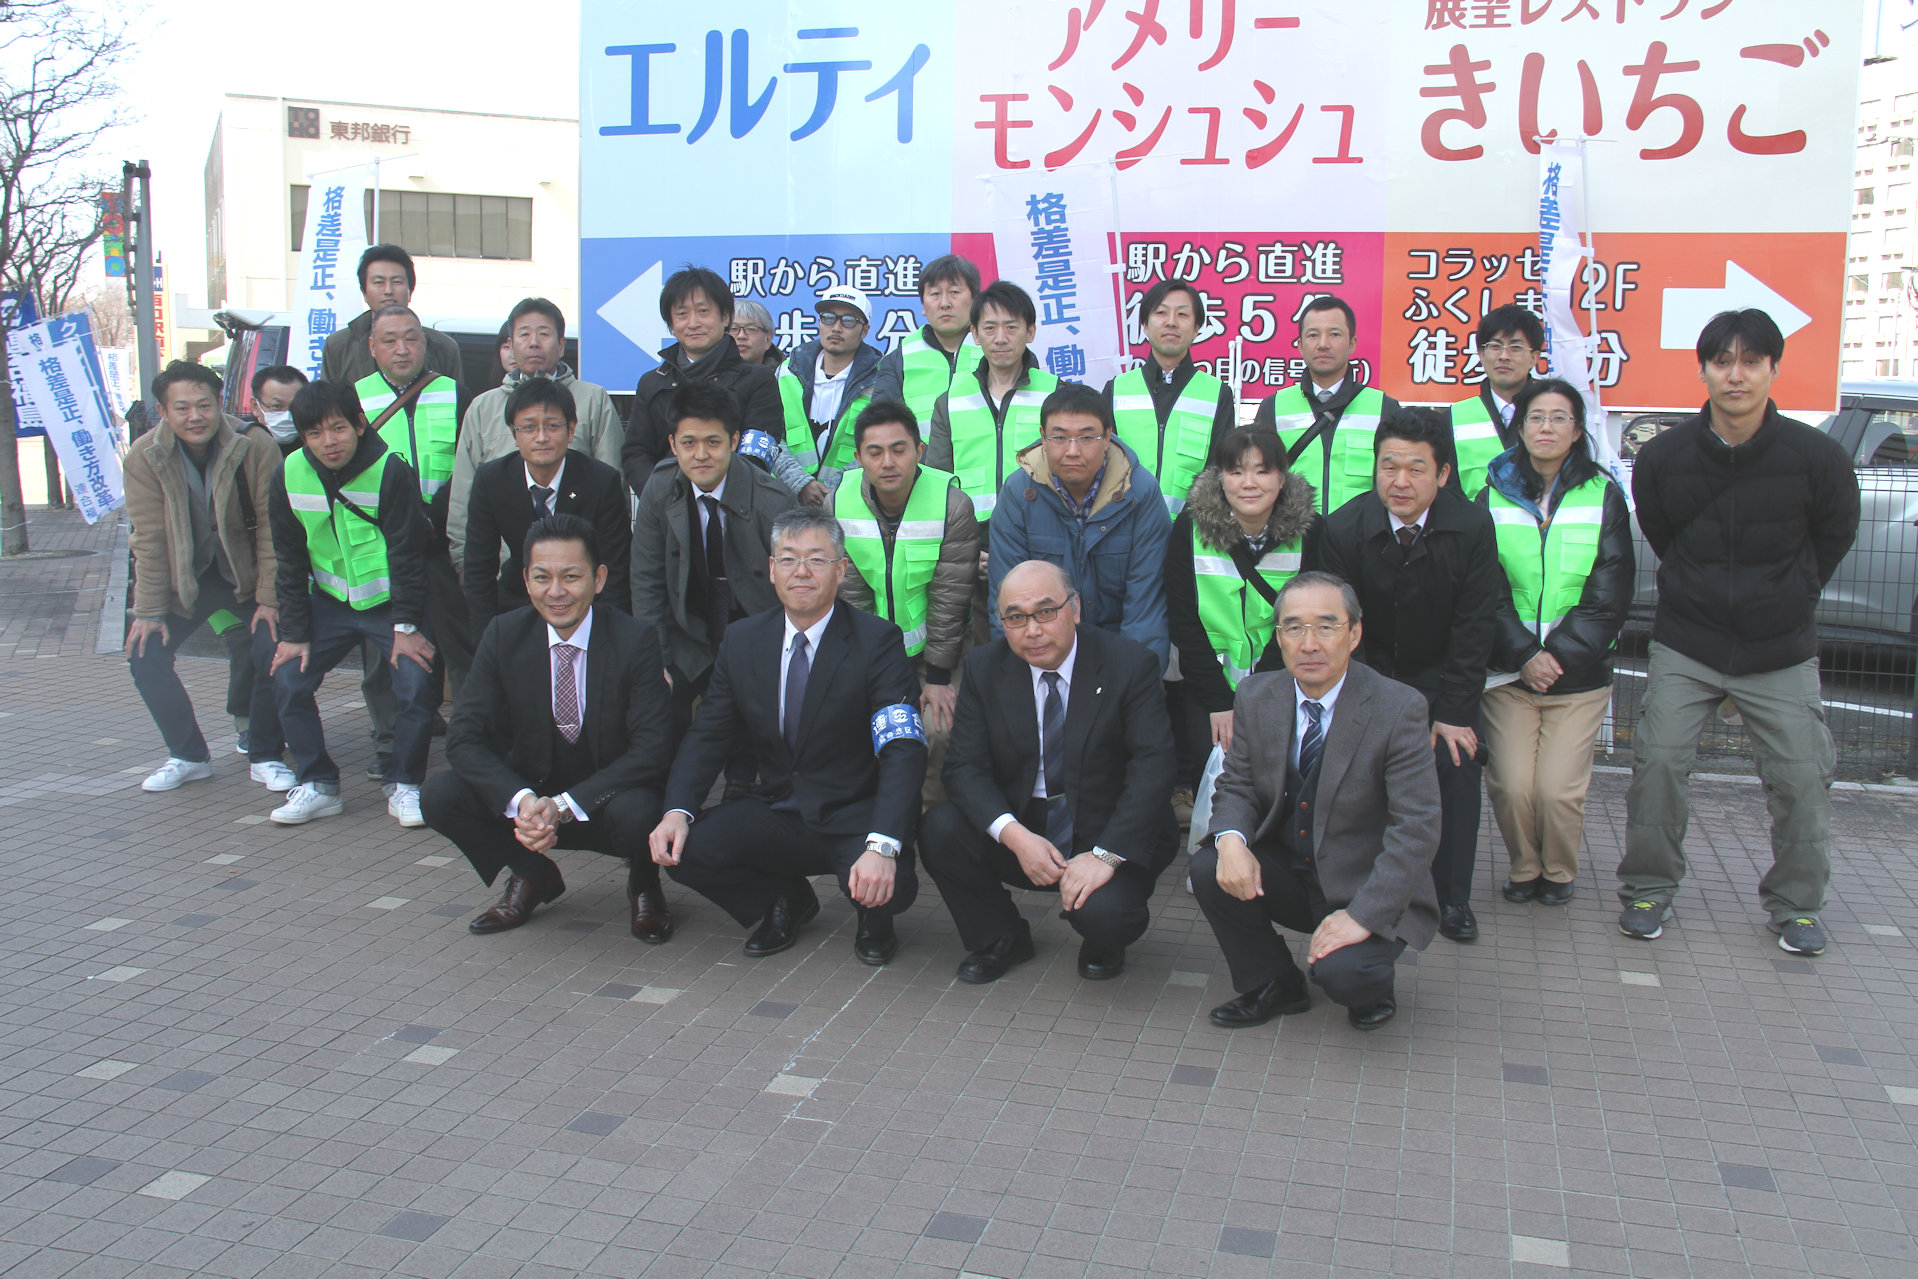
x: 166, y: 698
x: 337, y: 630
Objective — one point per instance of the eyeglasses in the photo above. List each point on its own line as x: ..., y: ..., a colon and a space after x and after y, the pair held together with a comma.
x: 840, y: 319
x: 1516, y: 349
x: 543, y: 428
x: 1043, y: 616
x: 813, y: 563
x: 1072, y: 441
x: 1549, y: 419
x: 1296, y: 631
x: 741, y: 330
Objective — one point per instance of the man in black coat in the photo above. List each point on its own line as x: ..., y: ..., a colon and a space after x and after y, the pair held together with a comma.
x: 1750, y: 514
x: 559, y: 738
x: 547, y: 476
x: 1425, y: 564
x: 829, y: 702
x: 1060, y: 775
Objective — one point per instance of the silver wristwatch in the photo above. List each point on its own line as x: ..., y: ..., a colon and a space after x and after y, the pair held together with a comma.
x: 405, y: 628
x: 1111, y: 859
x: 884, y: 850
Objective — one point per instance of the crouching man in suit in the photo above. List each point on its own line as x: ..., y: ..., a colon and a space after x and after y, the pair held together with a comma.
x: 1060, y: 774
x: 829, y: 703
x: 1325, y: 821
x: 560, y: 739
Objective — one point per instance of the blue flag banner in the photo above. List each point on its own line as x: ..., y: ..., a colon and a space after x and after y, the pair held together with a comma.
x: 57, y: 377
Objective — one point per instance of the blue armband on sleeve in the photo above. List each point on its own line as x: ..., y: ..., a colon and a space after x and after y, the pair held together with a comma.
x: 757, y: 444
x: 896, y: 723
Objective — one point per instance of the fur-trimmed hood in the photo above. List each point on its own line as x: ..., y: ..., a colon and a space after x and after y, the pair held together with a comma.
x: 1218, y: 527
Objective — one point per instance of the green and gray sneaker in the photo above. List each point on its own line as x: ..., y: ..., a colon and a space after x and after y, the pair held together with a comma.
x: 1801, y: 935
x: 1644, y: 919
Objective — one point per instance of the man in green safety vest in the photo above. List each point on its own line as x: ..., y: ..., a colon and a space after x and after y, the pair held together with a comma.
x: 1510, y: 339
x: 826, y: 381
x: 920, y: 369
x: 386, y: 278
x: 914, y: 546
x: 1170, y: 412
x: 350, y: 538
x: 1328, y: 420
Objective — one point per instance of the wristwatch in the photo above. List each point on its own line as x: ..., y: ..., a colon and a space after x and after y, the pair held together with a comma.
x: 1111, y: 859
x: 563, y: 811
x: 405, y: 628
x: 886, y: 851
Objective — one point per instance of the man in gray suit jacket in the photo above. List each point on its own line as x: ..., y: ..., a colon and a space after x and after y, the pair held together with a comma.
x: 1325, y: 821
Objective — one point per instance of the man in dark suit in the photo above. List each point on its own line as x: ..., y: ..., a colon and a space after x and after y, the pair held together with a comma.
x: 1060, y: 774
x: 560, y: 738
x: 1424, y: 561
x: 547, y: 476
x: 1325, y: 821
x: 828, y: 701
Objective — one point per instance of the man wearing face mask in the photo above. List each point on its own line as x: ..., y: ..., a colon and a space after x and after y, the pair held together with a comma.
x: 273, y: 390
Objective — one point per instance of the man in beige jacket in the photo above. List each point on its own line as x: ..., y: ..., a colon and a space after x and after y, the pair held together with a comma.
x: 196, y: 495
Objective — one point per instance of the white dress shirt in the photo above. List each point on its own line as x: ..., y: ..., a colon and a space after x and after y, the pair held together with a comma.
x: 559, y: 478
x: 1326, y: 392
x: 706, y: 513
x: 1300, y: 722
x: 1418, y: 523
x: 1064, y: 672
x: 1505, y: 407
x: 582, y: 637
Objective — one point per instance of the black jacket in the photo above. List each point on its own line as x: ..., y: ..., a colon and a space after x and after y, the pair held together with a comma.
x: 648, y: 427
x: 1746, y: 538
x: 500, y: 509
x: 842, y: 787
x: 1295, y: 517
x: 1582, y: 641
x: 402, y: 521
x: 500, y: 736
x: 1118, y: 754
x: 1431, y: 616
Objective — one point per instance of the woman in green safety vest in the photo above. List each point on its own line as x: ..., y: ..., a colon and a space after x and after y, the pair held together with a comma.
x: 1565, y: 543
x: 1248, y: 527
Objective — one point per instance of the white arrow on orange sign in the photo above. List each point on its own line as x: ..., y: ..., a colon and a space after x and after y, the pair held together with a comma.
x: 1686, y: 311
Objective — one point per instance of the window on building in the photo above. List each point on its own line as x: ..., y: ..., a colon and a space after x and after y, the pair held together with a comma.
x: 433, y: 224
x: 1857, y: 283
x: 1867, y: 195
x: 1901, y: 146
x: 1887, y: 368
x: 1892, y: 281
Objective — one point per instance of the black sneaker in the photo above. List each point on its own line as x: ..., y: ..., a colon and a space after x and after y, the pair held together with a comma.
x: 1801, y: 935
x: 381, y: 765
x: 1644, y: 919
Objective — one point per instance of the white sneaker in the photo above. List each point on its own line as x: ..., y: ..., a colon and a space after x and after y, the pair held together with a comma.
x: 176, y: 773
x: 404, y: 805
x: 304, y: 803
x: 274, y: 775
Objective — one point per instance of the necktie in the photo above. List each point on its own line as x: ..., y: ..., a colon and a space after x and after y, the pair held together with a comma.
x: 1312, y: 742
x: 542, y: 500
x: 796, y: 671
x: 715, y: 540
x: 1052, y: 747
x: 565, y: 692
x: 1408, y: 535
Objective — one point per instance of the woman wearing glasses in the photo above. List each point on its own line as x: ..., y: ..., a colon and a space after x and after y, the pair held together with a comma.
x: 1565, y: 543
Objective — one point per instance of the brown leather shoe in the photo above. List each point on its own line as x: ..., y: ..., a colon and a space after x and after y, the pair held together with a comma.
x: 652, y: 922
x: 516, y: 904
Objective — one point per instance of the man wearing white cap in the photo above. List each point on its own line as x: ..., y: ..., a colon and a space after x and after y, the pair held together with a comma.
x: 826, y: 381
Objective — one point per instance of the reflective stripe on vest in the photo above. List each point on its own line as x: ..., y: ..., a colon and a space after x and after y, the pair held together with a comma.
x: 347, y: 554
x: 435, y: 425
x: 799, y: 436
x: 902, y: 582
x: 928, y: 374
x: 1547, y: 567
x: 1236, y: 618
x: 1176, y: 455
x: 983, y: 454
x: 1353, y: 466
x: 1475, y: 442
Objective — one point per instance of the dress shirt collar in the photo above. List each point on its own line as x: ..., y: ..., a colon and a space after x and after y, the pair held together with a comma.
x: 1065, y: 674
x: 719, y: 490
x: 582, y: 634
x: 1503, y: 405
x: 1418, y: 523
x: 1328, y: 701
x: 559, y: 477
x: 813, y: 633
x: 1327, y: 392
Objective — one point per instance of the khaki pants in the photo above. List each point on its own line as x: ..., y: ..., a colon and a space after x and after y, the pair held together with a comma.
x: 1784, y: 717
x: 1540, y: 768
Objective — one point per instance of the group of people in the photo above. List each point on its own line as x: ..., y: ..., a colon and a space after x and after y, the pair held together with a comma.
x: 843, y: 612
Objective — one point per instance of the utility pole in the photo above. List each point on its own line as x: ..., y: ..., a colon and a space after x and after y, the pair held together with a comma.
x: 140, y: 257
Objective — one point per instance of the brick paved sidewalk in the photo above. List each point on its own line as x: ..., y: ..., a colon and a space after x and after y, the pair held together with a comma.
x: 232, y: 1049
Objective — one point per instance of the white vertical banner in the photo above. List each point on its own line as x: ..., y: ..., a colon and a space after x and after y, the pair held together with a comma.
x: 327, y: 293
x: 56, y: 369
x: 1570, y: 353
x: 1054, y: 235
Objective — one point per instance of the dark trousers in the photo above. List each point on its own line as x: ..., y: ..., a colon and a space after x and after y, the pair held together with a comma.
x: 973, y: 870
x: 741, y: 855
x: 166, y: 699
x: 452, y: 637
x: 1191, y: 734
x: 337, y: 630
x: 453, y: 808
x: 1354, y: 976
x: 743, y: 765
x: 1458, y: 826
x: 239, y: 671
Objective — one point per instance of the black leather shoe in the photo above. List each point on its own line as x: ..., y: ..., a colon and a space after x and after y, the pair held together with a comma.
x: 1521, y: 890
x: 1555, y: 894
x: 1100, y: 965
x: 652, y: 921
x: 1284, y: 994
x: 1372, y: 1016
x: 780, y: 929
x: 517, y: 903
x: 996, y: 960
x: 1458, y: 923
x: 876, y: 942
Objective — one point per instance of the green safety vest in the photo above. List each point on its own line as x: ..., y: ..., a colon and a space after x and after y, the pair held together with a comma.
x: 928, y: 374
x: 1353, y: 463
x: 900, y: 576
x: 426, y: 441
x: 347, y: 553
x: 1475, y: 442
x: 980, y: 457
x: 1547, y: 565
x: 840, y: 454
x: 1236, y: 618
x: 1176, y: 455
